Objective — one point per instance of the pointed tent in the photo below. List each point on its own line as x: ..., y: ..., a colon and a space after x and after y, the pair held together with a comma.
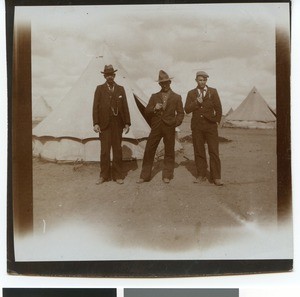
x: 224, y: 117
x: 40, y: 109
x: 67, y: 133
x: 229, y: 112
x: 253, y: 112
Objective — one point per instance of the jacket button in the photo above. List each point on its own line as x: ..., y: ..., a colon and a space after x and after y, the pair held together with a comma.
x: 201, y: 116
x: 201, y: 107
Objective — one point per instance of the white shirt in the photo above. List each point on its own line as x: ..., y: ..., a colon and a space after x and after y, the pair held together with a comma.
x: 204, y: 92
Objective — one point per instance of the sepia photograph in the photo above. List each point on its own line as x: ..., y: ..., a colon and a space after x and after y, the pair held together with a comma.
x: 151, y: 133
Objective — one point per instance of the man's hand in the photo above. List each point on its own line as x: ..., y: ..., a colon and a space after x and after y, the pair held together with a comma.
x: 97, y: 128
x: 126, y: 129
x: 158, y: 106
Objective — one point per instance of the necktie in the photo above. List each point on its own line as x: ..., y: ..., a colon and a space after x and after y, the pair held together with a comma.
x: 113, y: 101
x: 200, y: 96
x: 165, y: 100
x: 111, y: 89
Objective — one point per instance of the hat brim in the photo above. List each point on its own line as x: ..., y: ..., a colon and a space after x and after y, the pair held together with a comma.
x: 109, y: 72
x: 165, y: 79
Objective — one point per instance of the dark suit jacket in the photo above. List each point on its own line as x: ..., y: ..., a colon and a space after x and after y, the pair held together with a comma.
x: 210, y: 110
x: 103, y: 100
x: 173, y: 113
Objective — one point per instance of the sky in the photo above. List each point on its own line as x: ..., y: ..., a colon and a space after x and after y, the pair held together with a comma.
x: 233, y: 43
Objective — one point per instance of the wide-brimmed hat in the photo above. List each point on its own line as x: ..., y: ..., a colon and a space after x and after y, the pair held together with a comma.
x: 163, y: 76
x: 202, y: 73
x: 109, y: 69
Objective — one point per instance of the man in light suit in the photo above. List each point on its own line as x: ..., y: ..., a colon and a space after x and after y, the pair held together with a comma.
x: 110, y: 117
x: 165, y: 110
x: 205, y: 105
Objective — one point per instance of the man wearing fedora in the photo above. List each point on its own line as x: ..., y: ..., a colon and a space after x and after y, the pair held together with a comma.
x: 206, y: 108
x: 165, y: 111
x: 110, y: 118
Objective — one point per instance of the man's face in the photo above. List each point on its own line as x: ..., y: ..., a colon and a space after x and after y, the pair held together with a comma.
x: 165, y: 85
x: 110, y: 77
x: 201, y: 81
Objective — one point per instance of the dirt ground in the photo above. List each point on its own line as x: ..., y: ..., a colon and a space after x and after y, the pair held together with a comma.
x: 162, y: 216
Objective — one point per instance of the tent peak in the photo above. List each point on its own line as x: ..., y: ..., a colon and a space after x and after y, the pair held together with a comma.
x: 254, y: 90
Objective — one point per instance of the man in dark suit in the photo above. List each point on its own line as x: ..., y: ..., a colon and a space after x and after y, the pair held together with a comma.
x: 204, y: 103
x: 165, y: 110
x: 110, y: 117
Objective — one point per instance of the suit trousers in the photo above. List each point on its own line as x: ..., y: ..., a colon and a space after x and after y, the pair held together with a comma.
x: 209, y: 134
x: 111, y: 138
x: 159, y: 131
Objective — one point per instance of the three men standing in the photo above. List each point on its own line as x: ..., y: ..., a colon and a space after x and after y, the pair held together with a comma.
x: 165, y: 109
x: 206, y: 108
x: 110, y: 117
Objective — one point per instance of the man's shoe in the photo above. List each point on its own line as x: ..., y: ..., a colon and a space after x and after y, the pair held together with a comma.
x: 200, y: 180
x: 140, y: 181
x: 166, y: 180
x: 218, y: 182
x: 120, y: 181
x: 100, y: 181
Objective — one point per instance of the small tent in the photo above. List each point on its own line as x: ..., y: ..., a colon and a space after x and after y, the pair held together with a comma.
x: 40, y: 109
x: 224, y: 116
x: 67, y: 133
x: 229, y: 112
x: 253, y: 112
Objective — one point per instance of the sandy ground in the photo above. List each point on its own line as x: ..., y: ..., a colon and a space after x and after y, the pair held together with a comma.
x: 179, y: 216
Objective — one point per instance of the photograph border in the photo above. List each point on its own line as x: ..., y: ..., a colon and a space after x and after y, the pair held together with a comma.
x: 19, y: 187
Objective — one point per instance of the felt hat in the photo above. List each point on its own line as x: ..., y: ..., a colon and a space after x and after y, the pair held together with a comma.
x: 109, y: 69
x: 163, y: 76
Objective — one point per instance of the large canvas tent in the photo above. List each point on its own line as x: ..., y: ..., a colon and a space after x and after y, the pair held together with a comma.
x: 253, y: 112
x: 40, y: 109
x: 67, y: 133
